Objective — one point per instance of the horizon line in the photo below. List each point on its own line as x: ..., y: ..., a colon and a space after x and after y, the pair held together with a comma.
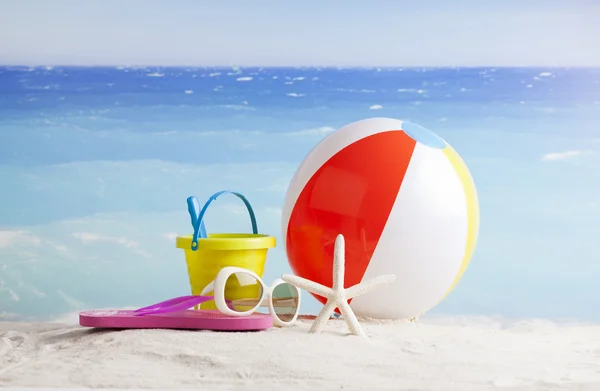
x: 222, y: 66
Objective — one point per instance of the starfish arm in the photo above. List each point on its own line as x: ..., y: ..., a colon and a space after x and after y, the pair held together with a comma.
x: 339, y: 263
x: 350, y: 319
x: 369, y: 285
x: 323, y: 316
x: 307, y: 285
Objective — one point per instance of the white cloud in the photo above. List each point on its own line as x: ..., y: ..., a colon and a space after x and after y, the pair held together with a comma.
x: 376, y: 107
x: 554, y: 156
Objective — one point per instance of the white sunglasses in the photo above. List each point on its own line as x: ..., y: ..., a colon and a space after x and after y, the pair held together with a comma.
x: 240, y: 292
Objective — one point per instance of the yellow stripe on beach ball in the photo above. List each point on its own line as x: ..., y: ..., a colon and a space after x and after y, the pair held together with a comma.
x: 472, y: 211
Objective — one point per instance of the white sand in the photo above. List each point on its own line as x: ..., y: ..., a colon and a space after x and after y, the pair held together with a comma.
x: 434, y: 354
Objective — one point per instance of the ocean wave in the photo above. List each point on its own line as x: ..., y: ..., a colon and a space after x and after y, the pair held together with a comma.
x: 237, y: 107
x: 135, y: 185
x: 99, y: 138
x: 355, y: 90
x: 320, y: 131
x: 119, y: 254
x: 417, y: 90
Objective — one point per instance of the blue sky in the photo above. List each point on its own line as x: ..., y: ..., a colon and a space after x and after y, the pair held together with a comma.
x: 311, y: 32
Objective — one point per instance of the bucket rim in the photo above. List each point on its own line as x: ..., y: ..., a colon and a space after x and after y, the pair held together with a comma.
x: 228, y: 241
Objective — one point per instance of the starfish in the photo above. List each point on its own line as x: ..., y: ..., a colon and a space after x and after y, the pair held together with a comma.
x: 338, y: 296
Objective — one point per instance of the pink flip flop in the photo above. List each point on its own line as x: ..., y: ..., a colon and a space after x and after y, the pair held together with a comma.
x: 174, y: 314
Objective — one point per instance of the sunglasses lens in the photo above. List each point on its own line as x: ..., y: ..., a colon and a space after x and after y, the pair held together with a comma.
x: 243, y: 292
x: 285, y: 301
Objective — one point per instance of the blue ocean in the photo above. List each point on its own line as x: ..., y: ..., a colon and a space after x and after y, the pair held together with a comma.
x: 96, y: 165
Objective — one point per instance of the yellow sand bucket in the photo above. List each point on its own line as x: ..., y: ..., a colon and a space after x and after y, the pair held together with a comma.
x: 206, y: 255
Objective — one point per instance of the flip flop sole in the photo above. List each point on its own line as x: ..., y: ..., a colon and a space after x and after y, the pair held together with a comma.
x: 185, y: 320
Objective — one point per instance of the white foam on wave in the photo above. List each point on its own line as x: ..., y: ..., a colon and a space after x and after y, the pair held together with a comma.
x: 322, y: 130
x: 188, y: 92
x: 8, y: 316
x: 244, y: 78
x: 295, y: 95
x: 376, y: 107
x: 298, y: 78
x: 44, y: 87
x: 565, y: 155
x: 418, y: 91
x: 545, y: 74
x: 214, y: 74
x: 11, y: 237
x: 354, y: 90
x: 92, y: 247
x: 238, y: 107
x: 155, y: 74
x: 289, y: 82
x: 545, y: 110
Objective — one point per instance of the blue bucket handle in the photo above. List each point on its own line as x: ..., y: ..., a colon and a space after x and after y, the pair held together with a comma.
x: 198, y: 217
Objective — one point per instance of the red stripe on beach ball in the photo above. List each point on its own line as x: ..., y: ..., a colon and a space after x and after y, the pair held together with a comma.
x: 351, y: 194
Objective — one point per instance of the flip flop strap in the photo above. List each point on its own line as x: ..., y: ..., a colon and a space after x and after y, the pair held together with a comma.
x: 181, y: 303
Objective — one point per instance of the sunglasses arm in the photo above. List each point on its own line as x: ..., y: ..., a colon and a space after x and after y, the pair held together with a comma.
x: 209, y: 288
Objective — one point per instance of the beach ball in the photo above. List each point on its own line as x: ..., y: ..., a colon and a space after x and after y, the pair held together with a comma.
x: 405, y: 203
